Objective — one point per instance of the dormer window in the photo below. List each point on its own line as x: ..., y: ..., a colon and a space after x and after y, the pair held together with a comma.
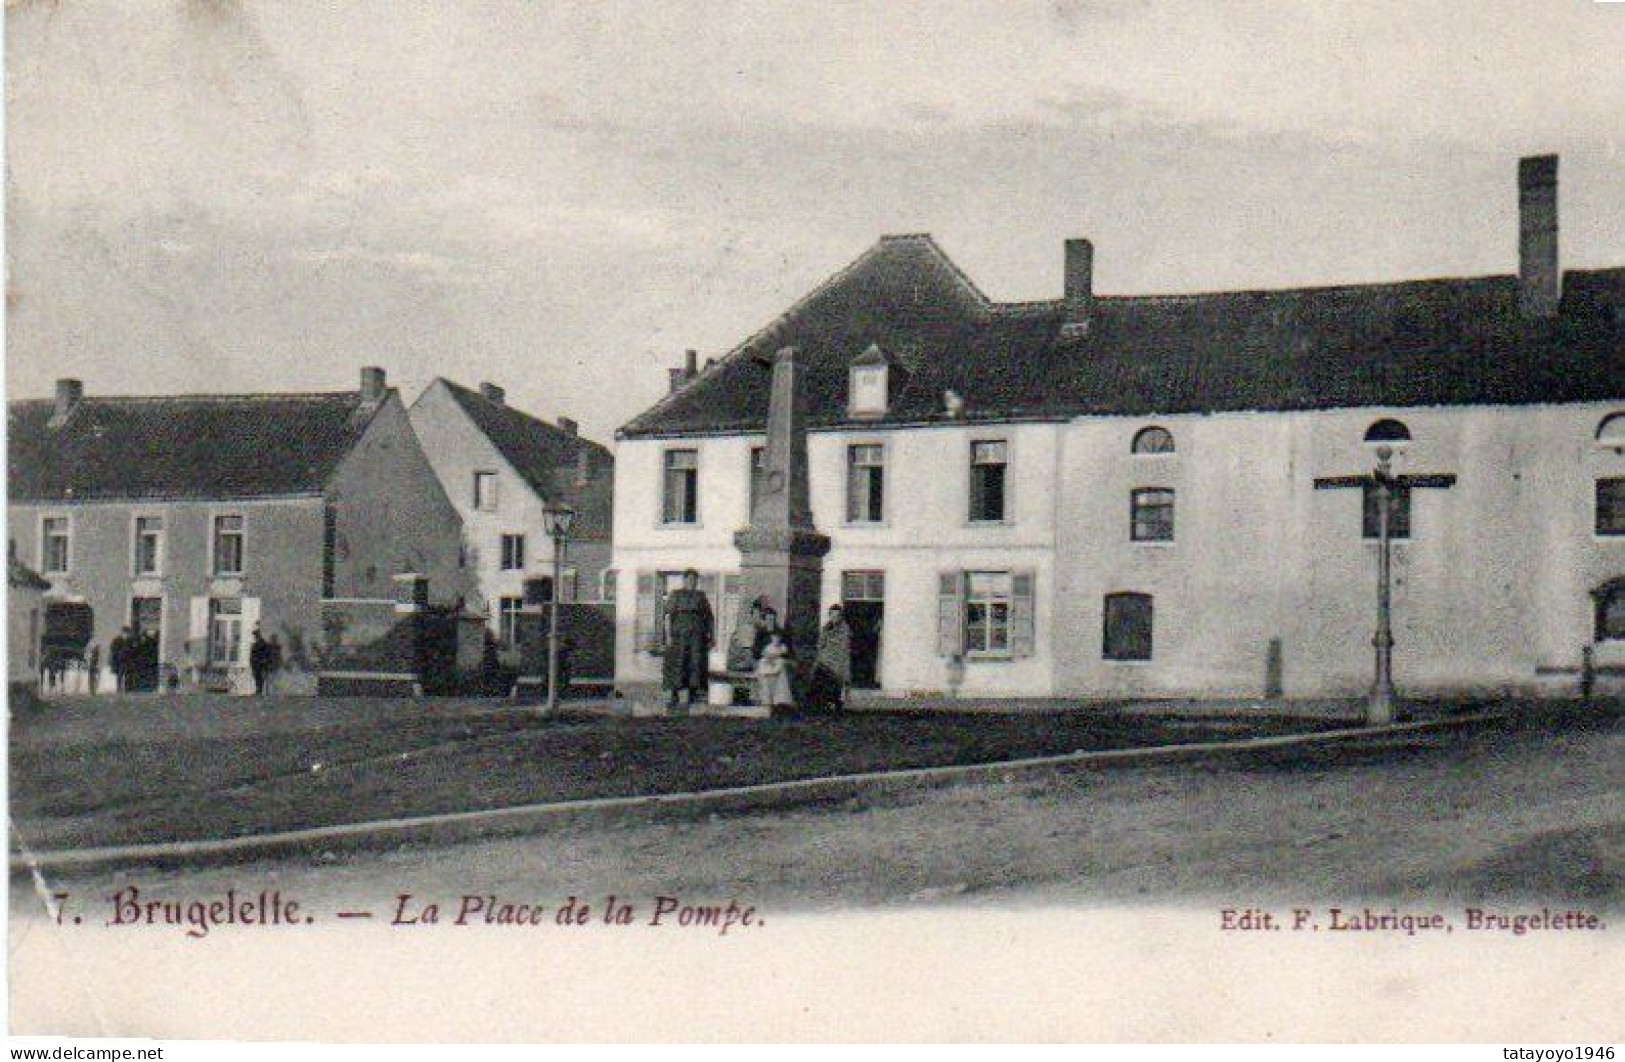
x: 870, y: 384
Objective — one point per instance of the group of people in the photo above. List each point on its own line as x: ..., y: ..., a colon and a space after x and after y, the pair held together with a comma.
x: 761, y: 646
x: 133, y: 656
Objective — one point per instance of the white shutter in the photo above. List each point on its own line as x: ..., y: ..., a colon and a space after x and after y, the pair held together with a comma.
x: 950, y: 622
x: 251, y: 619
x: 199, y: 629
x: 1023, y: 590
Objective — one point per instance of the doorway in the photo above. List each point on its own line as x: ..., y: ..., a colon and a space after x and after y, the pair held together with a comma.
x: 863, y: 599
x: 146, y: 638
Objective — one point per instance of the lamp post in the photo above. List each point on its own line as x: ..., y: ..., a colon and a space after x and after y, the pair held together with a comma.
x: 558, y: 519
x: 1381, y: 709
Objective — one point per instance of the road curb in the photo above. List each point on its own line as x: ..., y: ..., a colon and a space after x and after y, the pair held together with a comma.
x: 524, y: 818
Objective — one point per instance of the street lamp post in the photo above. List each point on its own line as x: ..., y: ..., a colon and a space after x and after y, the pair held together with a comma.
x: 558, y: 520
x: 1381, y: 709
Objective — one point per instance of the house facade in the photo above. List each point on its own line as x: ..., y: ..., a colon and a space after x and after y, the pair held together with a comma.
x: 197, y: 519
x: 502, y: 468
x: 1110, y: 496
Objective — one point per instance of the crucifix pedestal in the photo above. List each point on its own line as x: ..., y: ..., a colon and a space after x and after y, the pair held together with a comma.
x: 781, y: 552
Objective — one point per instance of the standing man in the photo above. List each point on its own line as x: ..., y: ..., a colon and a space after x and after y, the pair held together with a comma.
x: 689, y: 626
x: 118, y: 653
x: 259, y: 661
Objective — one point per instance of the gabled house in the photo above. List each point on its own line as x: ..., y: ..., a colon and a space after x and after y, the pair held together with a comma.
x: 501, y: 468
x: 199, y: 518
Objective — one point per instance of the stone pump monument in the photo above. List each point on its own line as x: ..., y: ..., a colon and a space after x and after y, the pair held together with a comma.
x: 781, y: 552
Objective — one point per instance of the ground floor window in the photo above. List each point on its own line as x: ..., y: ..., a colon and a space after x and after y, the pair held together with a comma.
x: 987, y: 613
x: 1127, y: 634
x: 225, y: 630
x: 1611, y: 611
x: 508, y: 611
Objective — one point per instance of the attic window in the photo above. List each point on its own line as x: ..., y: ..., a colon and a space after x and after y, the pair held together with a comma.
x: 1153, y: 440
x: 869, y: 385
x: 1387, y: 431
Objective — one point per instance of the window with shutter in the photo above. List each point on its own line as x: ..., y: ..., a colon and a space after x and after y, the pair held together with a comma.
x: 950, y: 634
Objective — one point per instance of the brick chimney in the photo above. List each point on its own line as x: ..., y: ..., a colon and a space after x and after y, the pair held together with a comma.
x: 1540, y: 280
x: 691, y: 367
x: 569, y: 426
x: 373, y: 385
x: 1079, y: 288
x: 69, y: 393
x: 492, y: 393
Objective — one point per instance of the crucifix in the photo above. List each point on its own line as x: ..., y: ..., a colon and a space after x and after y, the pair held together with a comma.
x: 1380, y: 708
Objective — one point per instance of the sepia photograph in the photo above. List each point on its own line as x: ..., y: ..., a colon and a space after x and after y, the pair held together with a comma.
x: 703, y: 521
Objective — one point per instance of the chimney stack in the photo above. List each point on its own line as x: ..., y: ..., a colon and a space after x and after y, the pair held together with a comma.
x: 1079, y: 288
x: 690, y: 369
x: 569, y: 426
x: 373, y: 387
x: 69, y: 393
x: 492, y: 393
x: 1540, y: 281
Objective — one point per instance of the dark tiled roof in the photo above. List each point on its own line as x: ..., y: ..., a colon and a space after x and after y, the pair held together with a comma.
x: 202, y: 446
x: 545, y: 456
x: 1415, y: 343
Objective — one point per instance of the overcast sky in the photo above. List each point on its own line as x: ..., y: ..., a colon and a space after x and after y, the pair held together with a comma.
x: 224, y: 196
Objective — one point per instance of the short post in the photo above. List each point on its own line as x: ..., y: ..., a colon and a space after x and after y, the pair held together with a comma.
x: 558, y: 528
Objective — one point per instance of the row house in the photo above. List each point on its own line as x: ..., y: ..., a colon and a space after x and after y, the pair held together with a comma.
x: 197, y: 519
x: 1115, y: 496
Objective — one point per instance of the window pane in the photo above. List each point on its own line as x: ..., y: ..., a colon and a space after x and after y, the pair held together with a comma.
x: 1152, y: 515
x: 679, y: 503
x: 1399, y: 512
x: 1127, y: 622
x: 1611, y: 506
x: 1154, y: 441
x: 1611, y: 616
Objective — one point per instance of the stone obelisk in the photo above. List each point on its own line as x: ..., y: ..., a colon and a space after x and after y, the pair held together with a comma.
x: 781, y: 552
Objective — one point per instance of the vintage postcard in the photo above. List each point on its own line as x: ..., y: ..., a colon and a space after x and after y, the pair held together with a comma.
x: 1084, y: 520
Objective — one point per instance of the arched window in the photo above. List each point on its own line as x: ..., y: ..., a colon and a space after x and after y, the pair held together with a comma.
x: 1611, y: 432
x: 1126, y: 631
x: 1387, y: 430
x: 1153, y: 440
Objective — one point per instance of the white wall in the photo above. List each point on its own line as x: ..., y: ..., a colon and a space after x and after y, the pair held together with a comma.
x: 1492, y: 588
x: 926, y: 531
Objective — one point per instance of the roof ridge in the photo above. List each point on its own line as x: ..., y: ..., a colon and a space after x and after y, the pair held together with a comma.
x: 515, y: 411
x: 252, y: 396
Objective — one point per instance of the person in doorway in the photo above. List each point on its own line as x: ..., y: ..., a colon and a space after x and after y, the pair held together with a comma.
x: 689, y: 627
x: 259, y: 661
x: 773, y: 673
x: 833, y: 669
